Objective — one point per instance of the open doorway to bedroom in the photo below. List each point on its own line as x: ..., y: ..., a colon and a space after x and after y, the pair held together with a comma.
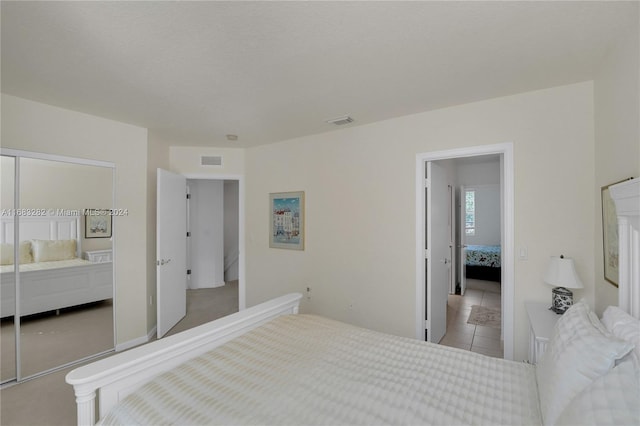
x: 474, y: 304
x: 481, y: 170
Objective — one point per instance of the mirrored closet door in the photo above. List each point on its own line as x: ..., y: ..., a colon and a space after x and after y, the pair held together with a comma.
x: 64, y: 280
x: 7, y: 272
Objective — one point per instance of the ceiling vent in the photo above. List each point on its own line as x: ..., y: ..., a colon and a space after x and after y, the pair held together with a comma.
x: 211, y: 160
x: 341, y: 121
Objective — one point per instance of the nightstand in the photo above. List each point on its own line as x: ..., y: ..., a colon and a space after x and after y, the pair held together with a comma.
x: 98, y: 256
x: 541, y: 324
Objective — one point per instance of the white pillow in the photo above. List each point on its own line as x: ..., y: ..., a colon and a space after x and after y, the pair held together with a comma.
x: 612, y: 399
x: 624, y: 326
x: 6, y: 253
x: 25, y: 252
x: 580, y: 350
x: 50, y: 250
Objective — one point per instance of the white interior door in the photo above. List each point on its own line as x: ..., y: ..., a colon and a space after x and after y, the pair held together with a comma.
x: 462, y: 244
x: 451, y: 228
x: 171, y: 243
x: 438, y: 251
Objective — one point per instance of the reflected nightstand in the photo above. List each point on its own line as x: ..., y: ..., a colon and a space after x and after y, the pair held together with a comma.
x: 99, y: 256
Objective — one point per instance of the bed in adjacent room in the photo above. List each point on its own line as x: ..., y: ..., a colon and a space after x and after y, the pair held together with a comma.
x: 53, y: 274
x: 483, y: 262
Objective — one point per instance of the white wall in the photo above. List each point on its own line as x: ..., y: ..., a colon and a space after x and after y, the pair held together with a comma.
x: 32, y: 126
x: 359, y: 183
x: 480, y: 172
x: 157, y: 157
x: 50, y: 184
x: 206, y: 227
x: 617, y: 133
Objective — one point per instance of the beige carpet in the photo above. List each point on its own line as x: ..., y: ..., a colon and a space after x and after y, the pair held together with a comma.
x: 481, y: 315
x: 48, y: 400
x: 75, y: 333
x: 207, y: 304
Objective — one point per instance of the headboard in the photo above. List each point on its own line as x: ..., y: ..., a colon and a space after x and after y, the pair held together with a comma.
x: 626, y: 196
x: 43, y: 228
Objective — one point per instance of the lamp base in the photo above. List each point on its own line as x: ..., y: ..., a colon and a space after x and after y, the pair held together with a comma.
x: 561, y: 300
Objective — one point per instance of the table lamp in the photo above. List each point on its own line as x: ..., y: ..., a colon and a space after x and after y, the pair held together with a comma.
x: 562, y: 274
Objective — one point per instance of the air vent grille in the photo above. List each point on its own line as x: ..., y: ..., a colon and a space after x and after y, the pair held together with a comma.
x: 340, y: 121
x: 211, y: 160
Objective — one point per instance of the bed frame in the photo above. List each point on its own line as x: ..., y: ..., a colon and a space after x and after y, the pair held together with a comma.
x: 486, y: 273
x: 52, y: 289
x: 113, y: 378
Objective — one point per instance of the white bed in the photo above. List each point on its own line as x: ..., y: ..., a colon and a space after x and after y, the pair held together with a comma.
x: 51, y: 285
x: 268, y: 365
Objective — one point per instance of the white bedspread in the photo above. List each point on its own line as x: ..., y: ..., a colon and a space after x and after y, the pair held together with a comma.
x: 307, y: 370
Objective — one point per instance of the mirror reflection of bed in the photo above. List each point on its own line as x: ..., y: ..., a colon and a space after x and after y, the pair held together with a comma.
x: 65, y: 283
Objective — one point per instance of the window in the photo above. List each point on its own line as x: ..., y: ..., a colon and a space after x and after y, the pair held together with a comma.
x: 470, y: 212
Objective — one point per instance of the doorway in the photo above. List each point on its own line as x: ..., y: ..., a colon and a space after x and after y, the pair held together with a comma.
x: 213, y: 241
x: 474, y: 304
x: 212, y: 251
x: 424, y: 310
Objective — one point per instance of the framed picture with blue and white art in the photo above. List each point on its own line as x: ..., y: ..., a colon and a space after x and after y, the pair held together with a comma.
x: 286, y: 228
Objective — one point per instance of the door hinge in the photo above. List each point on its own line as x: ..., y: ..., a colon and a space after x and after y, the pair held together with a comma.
x: 427, y: 254
x: 188, y: 271
x: 188, y: 234
x: 188, y: 196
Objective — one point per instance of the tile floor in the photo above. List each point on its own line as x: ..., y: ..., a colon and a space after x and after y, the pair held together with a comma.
x: 476, y: 338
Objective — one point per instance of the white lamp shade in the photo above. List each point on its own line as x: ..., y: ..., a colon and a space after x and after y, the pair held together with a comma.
x: 562, y: 273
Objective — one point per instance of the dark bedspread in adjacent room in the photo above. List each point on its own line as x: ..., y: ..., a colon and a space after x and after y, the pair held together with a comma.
x: 483, y: 262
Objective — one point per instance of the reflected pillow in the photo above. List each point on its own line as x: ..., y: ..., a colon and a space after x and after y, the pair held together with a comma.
x: 6, y: 253
x: 51, y: 250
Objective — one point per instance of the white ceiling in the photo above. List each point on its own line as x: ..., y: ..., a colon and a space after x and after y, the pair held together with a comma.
x: 193, y: 72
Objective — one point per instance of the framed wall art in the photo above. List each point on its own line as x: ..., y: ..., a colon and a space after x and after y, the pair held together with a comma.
x: 97, y: 223
x: 286, y: 220
x: 610, y: 235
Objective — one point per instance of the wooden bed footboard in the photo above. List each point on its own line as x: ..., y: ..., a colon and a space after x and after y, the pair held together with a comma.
x: 113, y: 378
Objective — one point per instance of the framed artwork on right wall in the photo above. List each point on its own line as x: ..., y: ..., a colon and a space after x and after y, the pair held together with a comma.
x: 610, y: 235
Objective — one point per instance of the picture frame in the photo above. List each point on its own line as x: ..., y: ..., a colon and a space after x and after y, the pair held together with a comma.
x: 286, y: 220
x: 97, y: 223
x: 610, y: 235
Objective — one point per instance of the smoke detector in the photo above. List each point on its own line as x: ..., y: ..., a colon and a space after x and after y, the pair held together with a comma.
x: 341, y: 121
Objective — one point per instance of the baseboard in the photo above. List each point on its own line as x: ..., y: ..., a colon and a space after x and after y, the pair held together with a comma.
x: 137, y: 341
